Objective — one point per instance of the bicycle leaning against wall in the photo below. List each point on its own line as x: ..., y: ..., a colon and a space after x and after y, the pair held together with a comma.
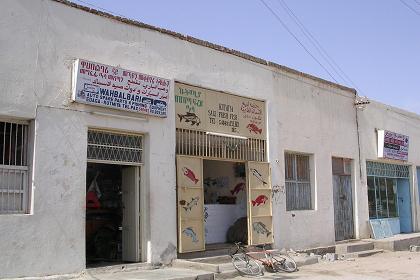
x: 244, y: 261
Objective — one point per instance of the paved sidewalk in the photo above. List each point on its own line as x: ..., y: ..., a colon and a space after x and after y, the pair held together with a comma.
x: 143, y: 274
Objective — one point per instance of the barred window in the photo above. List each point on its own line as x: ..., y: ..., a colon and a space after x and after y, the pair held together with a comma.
x: 14, y: 187
x: 298, y: 182
x: 114, y: 148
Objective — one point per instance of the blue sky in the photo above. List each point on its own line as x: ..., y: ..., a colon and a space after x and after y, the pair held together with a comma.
x: 375, y: 42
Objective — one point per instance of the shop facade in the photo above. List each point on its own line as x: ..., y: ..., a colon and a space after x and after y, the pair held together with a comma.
x: 286, y: 154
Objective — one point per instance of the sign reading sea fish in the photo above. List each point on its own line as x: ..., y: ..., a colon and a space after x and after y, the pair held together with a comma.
x: 107, y: 86
x: 212, y: 111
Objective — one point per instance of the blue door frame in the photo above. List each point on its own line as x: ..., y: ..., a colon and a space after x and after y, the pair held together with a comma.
x: 404, y: 205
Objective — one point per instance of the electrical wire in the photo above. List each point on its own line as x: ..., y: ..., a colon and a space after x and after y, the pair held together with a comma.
x: 411, y: 8
x: 296, y: 38
x: 331, y: 62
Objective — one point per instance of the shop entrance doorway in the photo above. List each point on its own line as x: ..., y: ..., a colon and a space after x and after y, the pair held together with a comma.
x: 225, y: 203
x: 404, y: 205
x: 113, y: 216
x: 389, y: 195
x: 112, y: 226
x: 343, y: 199
x: 233, y: 192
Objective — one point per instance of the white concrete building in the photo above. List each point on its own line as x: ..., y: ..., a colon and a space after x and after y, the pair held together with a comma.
x: 70, y: 170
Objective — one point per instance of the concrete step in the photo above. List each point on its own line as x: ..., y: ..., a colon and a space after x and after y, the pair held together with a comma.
x: 353, y: 247
x: 399, y: 242
x: 223, y: 268
x: 359, y: 254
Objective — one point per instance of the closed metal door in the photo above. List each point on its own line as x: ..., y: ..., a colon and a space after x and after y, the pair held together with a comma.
x: 343, y: 207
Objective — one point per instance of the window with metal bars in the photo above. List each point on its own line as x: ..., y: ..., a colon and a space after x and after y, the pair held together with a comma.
x: 114, y: 148
x: 202, y: 144
x: 14, y: 187
x: 298, y: 182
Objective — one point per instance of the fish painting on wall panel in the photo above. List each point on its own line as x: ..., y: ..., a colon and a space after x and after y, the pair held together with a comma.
x: 258, y: 175
x: 189, y: 205
x: 261, y: 228
x: 190, y: 233
x: 260, y: 200
x: 189, y: 174
x: 239, y: 187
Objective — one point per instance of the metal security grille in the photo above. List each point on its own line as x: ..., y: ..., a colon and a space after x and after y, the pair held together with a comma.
x: 202, y: 144
x: 114, y: 148
x: 380, y: 169
x: 13, y: 168
x: 298, y: 182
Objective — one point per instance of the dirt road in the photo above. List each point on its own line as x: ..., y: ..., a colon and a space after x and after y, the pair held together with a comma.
x: 388, y: 265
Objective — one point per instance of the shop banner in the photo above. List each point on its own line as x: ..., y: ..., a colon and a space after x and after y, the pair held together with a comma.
x: 116, y: 88
x: 392, y: 145
x: 213, y: 111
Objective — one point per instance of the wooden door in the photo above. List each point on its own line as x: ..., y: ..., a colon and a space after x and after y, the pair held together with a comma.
x: 130, y: 221
x: 190, y: 204
x: 260, y: 218
x: 343, y: 207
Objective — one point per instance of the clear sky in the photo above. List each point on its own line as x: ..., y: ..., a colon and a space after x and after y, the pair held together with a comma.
x: 375, y: 42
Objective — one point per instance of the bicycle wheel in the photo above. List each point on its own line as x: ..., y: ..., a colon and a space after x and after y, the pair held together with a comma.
x: 283, y: 262
x: 246, y: 265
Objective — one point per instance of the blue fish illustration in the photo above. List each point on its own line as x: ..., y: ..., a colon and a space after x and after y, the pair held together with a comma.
x: 190, y: 232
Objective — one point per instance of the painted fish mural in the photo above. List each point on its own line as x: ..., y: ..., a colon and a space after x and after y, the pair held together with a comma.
x: 239, y: 187
x: 260, y: 228
x: 253, y: 128
x: 190, y: 117
x: 189, y: 174
x: 188, y: 206
x: 261, y: 199
x: 190, y: 233
x: 258, y: 175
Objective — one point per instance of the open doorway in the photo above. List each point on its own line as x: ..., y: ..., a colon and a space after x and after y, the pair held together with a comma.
x: 225, y: 203
x: 112, y: 214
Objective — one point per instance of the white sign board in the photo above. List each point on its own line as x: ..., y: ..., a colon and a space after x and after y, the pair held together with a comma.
x: 392, y: 145
x: 116, y: 88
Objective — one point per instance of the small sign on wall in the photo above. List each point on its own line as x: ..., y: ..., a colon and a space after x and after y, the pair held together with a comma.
x: 392, y: 145
x: 108, y: 86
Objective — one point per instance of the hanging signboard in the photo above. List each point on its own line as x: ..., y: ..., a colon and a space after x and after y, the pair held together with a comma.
x: 212, y: 111
x: 392, y: 145
x: 116, y: 88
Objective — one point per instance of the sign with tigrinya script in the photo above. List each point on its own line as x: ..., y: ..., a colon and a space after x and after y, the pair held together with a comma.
x: 116, y: 88
x: 212, y: 111
x: 392, y: 145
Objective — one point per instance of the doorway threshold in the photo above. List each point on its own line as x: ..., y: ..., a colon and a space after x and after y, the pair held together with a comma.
x: 111, y: 267
x: 212, y: 250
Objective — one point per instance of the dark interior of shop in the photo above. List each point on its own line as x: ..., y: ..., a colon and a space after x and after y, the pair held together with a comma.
x: 103, y: 213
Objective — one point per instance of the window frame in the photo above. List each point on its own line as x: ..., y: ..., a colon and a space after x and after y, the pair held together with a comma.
x: 24, y: 168
x: 307, y: 180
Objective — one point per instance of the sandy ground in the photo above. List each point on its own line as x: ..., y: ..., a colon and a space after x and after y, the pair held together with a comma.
x: 388, y: 265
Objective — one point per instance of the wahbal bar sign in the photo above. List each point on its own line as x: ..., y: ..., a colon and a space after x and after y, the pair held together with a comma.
x: 392, y: 145
x: 113, y: 87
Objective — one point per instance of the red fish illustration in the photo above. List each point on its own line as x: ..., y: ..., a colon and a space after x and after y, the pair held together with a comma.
x: 261, y: 199
x: 190, y: 174
x: 253, y: 128
x: 239, y: 187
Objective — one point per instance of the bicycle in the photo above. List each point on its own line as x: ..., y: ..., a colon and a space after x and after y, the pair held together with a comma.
x: 245, y: 263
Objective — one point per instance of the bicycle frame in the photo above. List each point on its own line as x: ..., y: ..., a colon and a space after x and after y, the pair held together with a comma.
x: 267, y: 261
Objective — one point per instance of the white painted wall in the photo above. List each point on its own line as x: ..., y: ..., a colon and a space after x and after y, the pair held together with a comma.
x: 39, y: 41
